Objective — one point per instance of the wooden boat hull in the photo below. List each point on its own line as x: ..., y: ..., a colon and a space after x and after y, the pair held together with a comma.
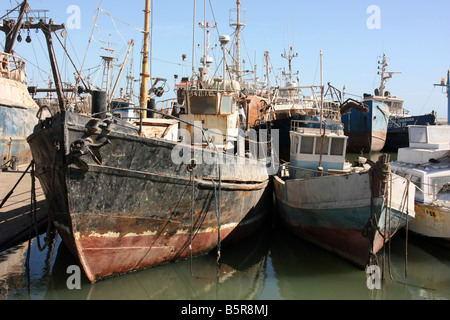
x: 354, y: 223
x: 124, y: 205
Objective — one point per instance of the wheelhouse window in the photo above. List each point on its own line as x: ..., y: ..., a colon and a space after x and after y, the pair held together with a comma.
x: 227, y: 105
x: 337, y: 147
x: 322, y: 144
x: 203, y: 105
x: 418, y: 182
x: 307, y: 145
x: 294, y: 146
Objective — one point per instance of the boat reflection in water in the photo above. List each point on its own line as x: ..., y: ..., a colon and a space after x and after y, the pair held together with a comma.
x: 240, y: 275
x: 271, y: 265
x: 305, y: 272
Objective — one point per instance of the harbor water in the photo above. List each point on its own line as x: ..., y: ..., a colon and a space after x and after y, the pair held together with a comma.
x: 273, y: 264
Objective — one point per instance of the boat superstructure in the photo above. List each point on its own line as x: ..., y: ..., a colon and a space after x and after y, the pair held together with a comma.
x: 426, y: 162
x: 351, y: 211
x: 18, y: 111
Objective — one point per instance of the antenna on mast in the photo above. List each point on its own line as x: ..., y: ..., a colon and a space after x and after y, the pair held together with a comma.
x: 290, y: 57
x: 206, y: 60
x: 447, y: 86
x: 238, y: 22
x: 385, y: 75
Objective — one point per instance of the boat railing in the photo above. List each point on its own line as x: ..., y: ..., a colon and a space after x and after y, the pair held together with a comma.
x: 331, y: 125
x: 12, y: 67
x: 206, y: 132
x: 166, y: 107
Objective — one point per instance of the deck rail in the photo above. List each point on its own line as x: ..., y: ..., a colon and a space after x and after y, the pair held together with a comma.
x: 12, y: 67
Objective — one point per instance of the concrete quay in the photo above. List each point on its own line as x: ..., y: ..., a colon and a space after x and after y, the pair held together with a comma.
x: 15, y: 214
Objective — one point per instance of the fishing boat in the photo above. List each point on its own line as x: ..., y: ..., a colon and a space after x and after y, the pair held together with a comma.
x: 399, y: 119
x: 127, y: 196
x: 294, y: 102
x: 367, y: 132
x: 349, y: 210
x: 17, y: 108
x: 397, y: 134
x: 426, y: 162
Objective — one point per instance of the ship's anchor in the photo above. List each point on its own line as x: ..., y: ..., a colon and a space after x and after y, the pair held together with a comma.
x: 83, y: 147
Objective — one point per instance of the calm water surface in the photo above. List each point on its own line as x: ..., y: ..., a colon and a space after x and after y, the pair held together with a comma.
x: 271, y: 265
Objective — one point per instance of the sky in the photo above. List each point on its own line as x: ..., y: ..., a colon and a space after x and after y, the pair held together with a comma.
x: 352, y: 34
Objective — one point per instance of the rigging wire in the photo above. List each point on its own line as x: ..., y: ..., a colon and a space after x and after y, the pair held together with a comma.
x: 89, y: 43
x: 113, y: 17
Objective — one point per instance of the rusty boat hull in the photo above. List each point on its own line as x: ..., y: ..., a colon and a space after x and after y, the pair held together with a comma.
x: 121, y: 204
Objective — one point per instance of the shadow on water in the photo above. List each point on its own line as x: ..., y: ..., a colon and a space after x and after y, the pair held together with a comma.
x: 271, y: 265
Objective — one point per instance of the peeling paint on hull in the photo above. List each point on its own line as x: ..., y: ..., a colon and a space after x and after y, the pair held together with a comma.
x: 17, y: 120
x: 348, y: 242
x: 366, y: 142
x: 432, y: 221
x: 347, y: 222
x: 137, y: 208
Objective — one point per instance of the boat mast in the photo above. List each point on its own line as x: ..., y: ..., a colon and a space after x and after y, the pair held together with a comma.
x: 385, y: 75
x: 145, y: 75
x: 113, y: 91
x: 47, y: 29
x: 442, y: 84
x: 290, y: 57
x: 11, y: 33
x: 238, y: 27
x: 269, y: 97
x: 206, y: 60
x: 321, y: 92
x: 108, y: 61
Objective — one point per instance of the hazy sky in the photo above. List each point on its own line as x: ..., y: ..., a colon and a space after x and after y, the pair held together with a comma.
x: 353, y: 34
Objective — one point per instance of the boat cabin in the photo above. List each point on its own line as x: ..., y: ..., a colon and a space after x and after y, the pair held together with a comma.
x: 124, y: 109
x: 214, y: 107
x: 313, y: 152
x: 426, y: 162
x: 394, y: 104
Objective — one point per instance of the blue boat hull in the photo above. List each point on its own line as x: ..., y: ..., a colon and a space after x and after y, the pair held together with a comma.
x: 366, y: 131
